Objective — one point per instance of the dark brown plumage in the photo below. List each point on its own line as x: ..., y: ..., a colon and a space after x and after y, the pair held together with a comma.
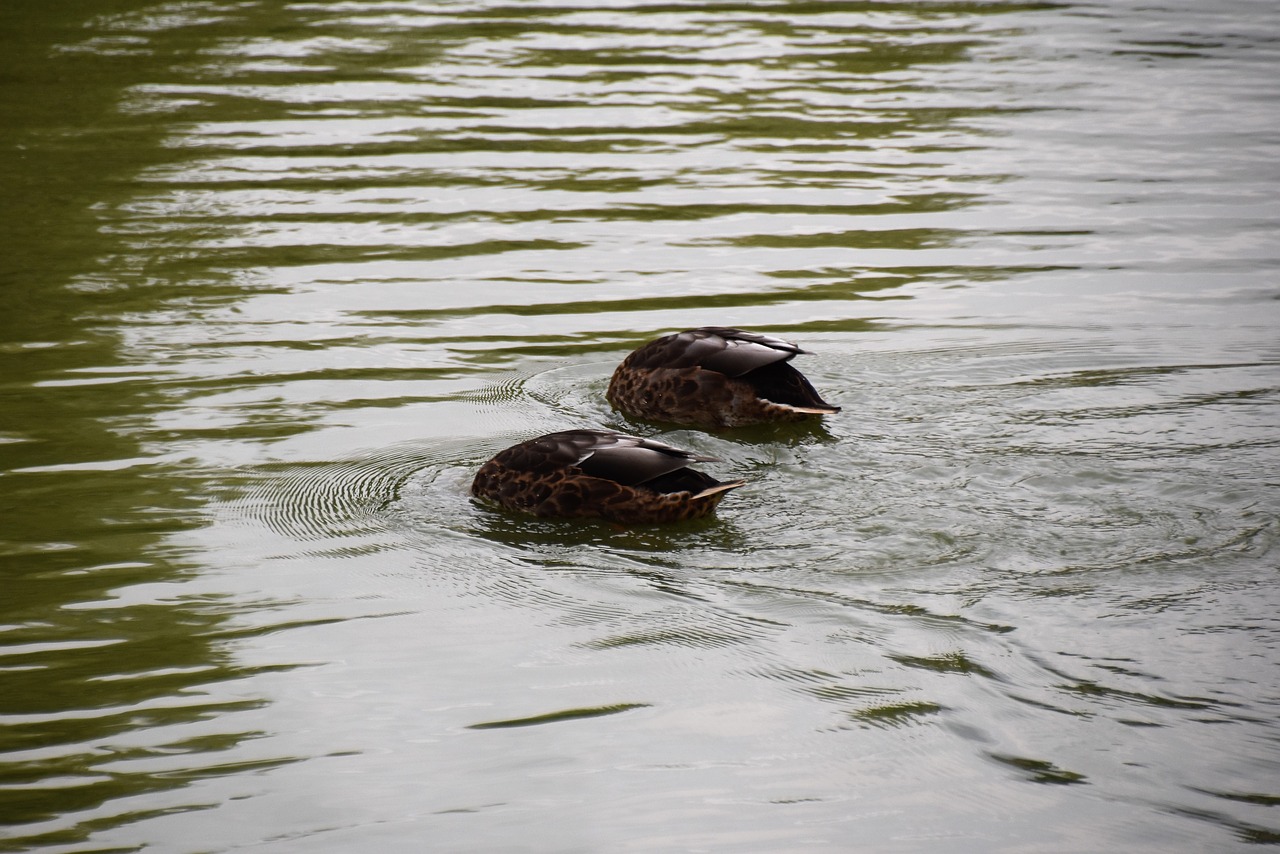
x: 715, y: 377
x: 598, y: 473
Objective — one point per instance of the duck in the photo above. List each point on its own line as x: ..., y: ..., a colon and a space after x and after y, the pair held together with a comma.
x: 600, y: 473
x: 715, y: 376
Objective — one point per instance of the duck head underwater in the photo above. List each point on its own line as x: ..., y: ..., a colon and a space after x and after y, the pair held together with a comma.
x: 715, y: 376
x: 710, y: 377
x: 599, y: 473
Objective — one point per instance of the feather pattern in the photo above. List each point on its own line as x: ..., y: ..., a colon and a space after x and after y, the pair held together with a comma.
x: 600, y: 473
x: 715, y: 376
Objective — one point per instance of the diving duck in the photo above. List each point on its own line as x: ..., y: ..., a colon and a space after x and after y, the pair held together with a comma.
x: 715, y: 377
x: 621, y: 478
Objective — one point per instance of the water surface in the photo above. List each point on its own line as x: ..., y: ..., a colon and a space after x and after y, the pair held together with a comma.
x: 280, y: 277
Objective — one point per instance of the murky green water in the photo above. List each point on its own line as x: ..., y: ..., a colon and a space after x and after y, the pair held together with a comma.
x: 279, y: 277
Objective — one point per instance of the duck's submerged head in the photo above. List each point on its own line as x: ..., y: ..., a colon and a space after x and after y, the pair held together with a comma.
x: 715, y: 376
x: 599, y: 473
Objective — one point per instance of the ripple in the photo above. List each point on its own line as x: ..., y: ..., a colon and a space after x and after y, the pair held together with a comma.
x: 349, y: 499
x: 560, y: 716
x: 560, y: 396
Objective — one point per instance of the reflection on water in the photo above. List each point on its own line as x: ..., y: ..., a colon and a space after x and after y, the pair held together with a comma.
x: 281, y: 277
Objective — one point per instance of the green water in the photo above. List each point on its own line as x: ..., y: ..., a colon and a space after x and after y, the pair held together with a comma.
x: 278, y: 278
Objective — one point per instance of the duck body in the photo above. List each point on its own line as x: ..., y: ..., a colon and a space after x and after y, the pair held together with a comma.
x: 603, y: 474
x: 715, y: 376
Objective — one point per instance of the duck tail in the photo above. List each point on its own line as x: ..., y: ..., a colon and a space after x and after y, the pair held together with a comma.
x: 718, y: 489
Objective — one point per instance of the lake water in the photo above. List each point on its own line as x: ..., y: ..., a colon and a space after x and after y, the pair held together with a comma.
x: 279, y: 277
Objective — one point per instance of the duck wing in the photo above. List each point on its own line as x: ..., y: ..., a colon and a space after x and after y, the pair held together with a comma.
x: 628, y: 460
x: 731, y: 352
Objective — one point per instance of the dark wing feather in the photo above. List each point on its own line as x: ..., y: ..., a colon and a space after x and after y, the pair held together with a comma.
x: 550, y: 452
x: 632, y: 460
x: 738, y: 335
x: 614, y: 456
x: 731, y: 352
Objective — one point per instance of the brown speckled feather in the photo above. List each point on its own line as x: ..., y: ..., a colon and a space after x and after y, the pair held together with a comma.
x: 598, y: 473
x: 715, y: 377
